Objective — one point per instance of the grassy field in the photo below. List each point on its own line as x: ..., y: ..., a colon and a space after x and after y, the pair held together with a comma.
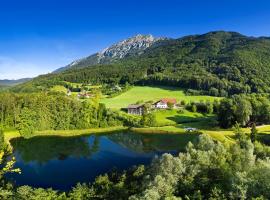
x: 145, y: 93
x: 59, y: 88
x: 68, y: 133
x: 173, y: 117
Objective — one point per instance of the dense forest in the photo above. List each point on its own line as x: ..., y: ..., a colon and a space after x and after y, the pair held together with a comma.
x: 245, y: 110
x: 41, y: 111
x: 216, y: 63
x: 206, y: 170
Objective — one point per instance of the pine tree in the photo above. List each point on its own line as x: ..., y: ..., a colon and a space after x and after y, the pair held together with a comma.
x: 253, y: 134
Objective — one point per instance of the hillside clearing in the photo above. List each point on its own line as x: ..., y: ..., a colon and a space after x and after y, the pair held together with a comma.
x: 146, y: 93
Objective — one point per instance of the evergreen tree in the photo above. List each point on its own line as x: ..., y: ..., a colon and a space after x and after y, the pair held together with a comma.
x: 254, y: 132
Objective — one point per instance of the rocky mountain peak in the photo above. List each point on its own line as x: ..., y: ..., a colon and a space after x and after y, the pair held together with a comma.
x: 131, y: 45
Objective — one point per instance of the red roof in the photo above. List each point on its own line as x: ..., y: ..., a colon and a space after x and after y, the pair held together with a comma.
x: 168, y: 100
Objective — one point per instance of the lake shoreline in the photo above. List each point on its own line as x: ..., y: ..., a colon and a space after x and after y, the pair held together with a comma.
x: 220, y: 135
x: 12, y: 134
x: 65, y: 161
x: 9, y: 135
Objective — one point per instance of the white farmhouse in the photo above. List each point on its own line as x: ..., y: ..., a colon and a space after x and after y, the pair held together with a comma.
x: 163, y: 103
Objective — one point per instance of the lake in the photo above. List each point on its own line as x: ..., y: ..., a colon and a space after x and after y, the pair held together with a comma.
x: 61, y: 162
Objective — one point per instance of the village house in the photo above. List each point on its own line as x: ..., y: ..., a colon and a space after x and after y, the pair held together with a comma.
x: 84, y: 95
x: 135, y: 109
x: 163, y: 103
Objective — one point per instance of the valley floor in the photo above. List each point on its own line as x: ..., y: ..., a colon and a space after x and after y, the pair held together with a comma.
x: 168, y: 121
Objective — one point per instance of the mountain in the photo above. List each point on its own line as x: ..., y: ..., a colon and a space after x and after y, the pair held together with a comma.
x: 7, y: 82
x: 131, y: 46
x: 217, y: 63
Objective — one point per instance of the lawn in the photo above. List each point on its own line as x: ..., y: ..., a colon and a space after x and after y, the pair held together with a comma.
x: 173, y: 117
x: 146, y: 93
x: 59, y: 88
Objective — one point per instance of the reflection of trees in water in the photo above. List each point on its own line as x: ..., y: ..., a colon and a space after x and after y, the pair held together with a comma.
x: 264, y: 138
x: 94, y: 147
x: 43, y: 149
x: 153, y: 142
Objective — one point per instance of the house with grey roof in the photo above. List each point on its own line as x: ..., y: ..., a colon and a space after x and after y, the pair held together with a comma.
x: 135, y: 109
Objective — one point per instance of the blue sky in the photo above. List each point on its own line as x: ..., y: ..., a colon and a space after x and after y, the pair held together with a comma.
x: 38, y: 36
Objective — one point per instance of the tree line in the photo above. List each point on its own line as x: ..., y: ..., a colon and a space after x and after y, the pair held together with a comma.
x: 43, y: 111
x: 245, y: 110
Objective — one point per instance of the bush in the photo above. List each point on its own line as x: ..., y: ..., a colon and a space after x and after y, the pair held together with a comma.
x: 194, y: 108
x: 214, y: 92
x: 183, y: 102
x: 148, y: 120
x: 192, y: 92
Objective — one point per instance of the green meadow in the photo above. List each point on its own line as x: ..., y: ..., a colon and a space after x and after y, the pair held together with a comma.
x: 146, y: 93
x: 173, y: 117
x: 168, y: 121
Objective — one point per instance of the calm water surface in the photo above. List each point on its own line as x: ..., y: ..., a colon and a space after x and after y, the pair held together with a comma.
x: 60, y: 163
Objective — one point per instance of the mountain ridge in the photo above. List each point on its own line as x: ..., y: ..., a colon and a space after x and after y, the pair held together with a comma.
x: 218, y: 63
x: 130, y: 46
x: 11, y: 82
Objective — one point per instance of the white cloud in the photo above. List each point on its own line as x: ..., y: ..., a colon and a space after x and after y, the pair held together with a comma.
x: 11, y: 68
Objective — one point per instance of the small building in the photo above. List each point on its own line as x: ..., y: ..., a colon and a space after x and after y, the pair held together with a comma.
x: 163, y: 103
x: 135, y: 109
x: 69, y: 93
x: 84, y: 95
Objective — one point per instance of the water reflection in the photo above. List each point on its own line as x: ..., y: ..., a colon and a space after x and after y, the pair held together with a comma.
x: 44, y: 149
x: 61, y: 162
x: 144, y: 143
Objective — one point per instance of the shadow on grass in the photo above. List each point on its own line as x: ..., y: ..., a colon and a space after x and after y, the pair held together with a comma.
x: 203, y: 121
x: 263, y: 138
x: 163, y: 87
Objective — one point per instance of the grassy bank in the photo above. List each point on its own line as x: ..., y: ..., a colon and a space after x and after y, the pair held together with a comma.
x: 222, y: 135
x: 10, y: 134
x: 69, y: 133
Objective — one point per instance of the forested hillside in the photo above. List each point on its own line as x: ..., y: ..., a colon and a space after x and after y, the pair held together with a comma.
x: 218, y: 63
x: 40, y: 111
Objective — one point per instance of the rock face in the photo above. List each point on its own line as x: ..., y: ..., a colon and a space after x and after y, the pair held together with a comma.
x: 131, y: 46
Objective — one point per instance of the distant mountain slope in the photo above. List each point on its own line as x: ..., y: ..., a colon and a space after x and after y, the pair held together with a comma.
x: 7, y: 82
x: 218, y: 63
x: 131, y: 46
